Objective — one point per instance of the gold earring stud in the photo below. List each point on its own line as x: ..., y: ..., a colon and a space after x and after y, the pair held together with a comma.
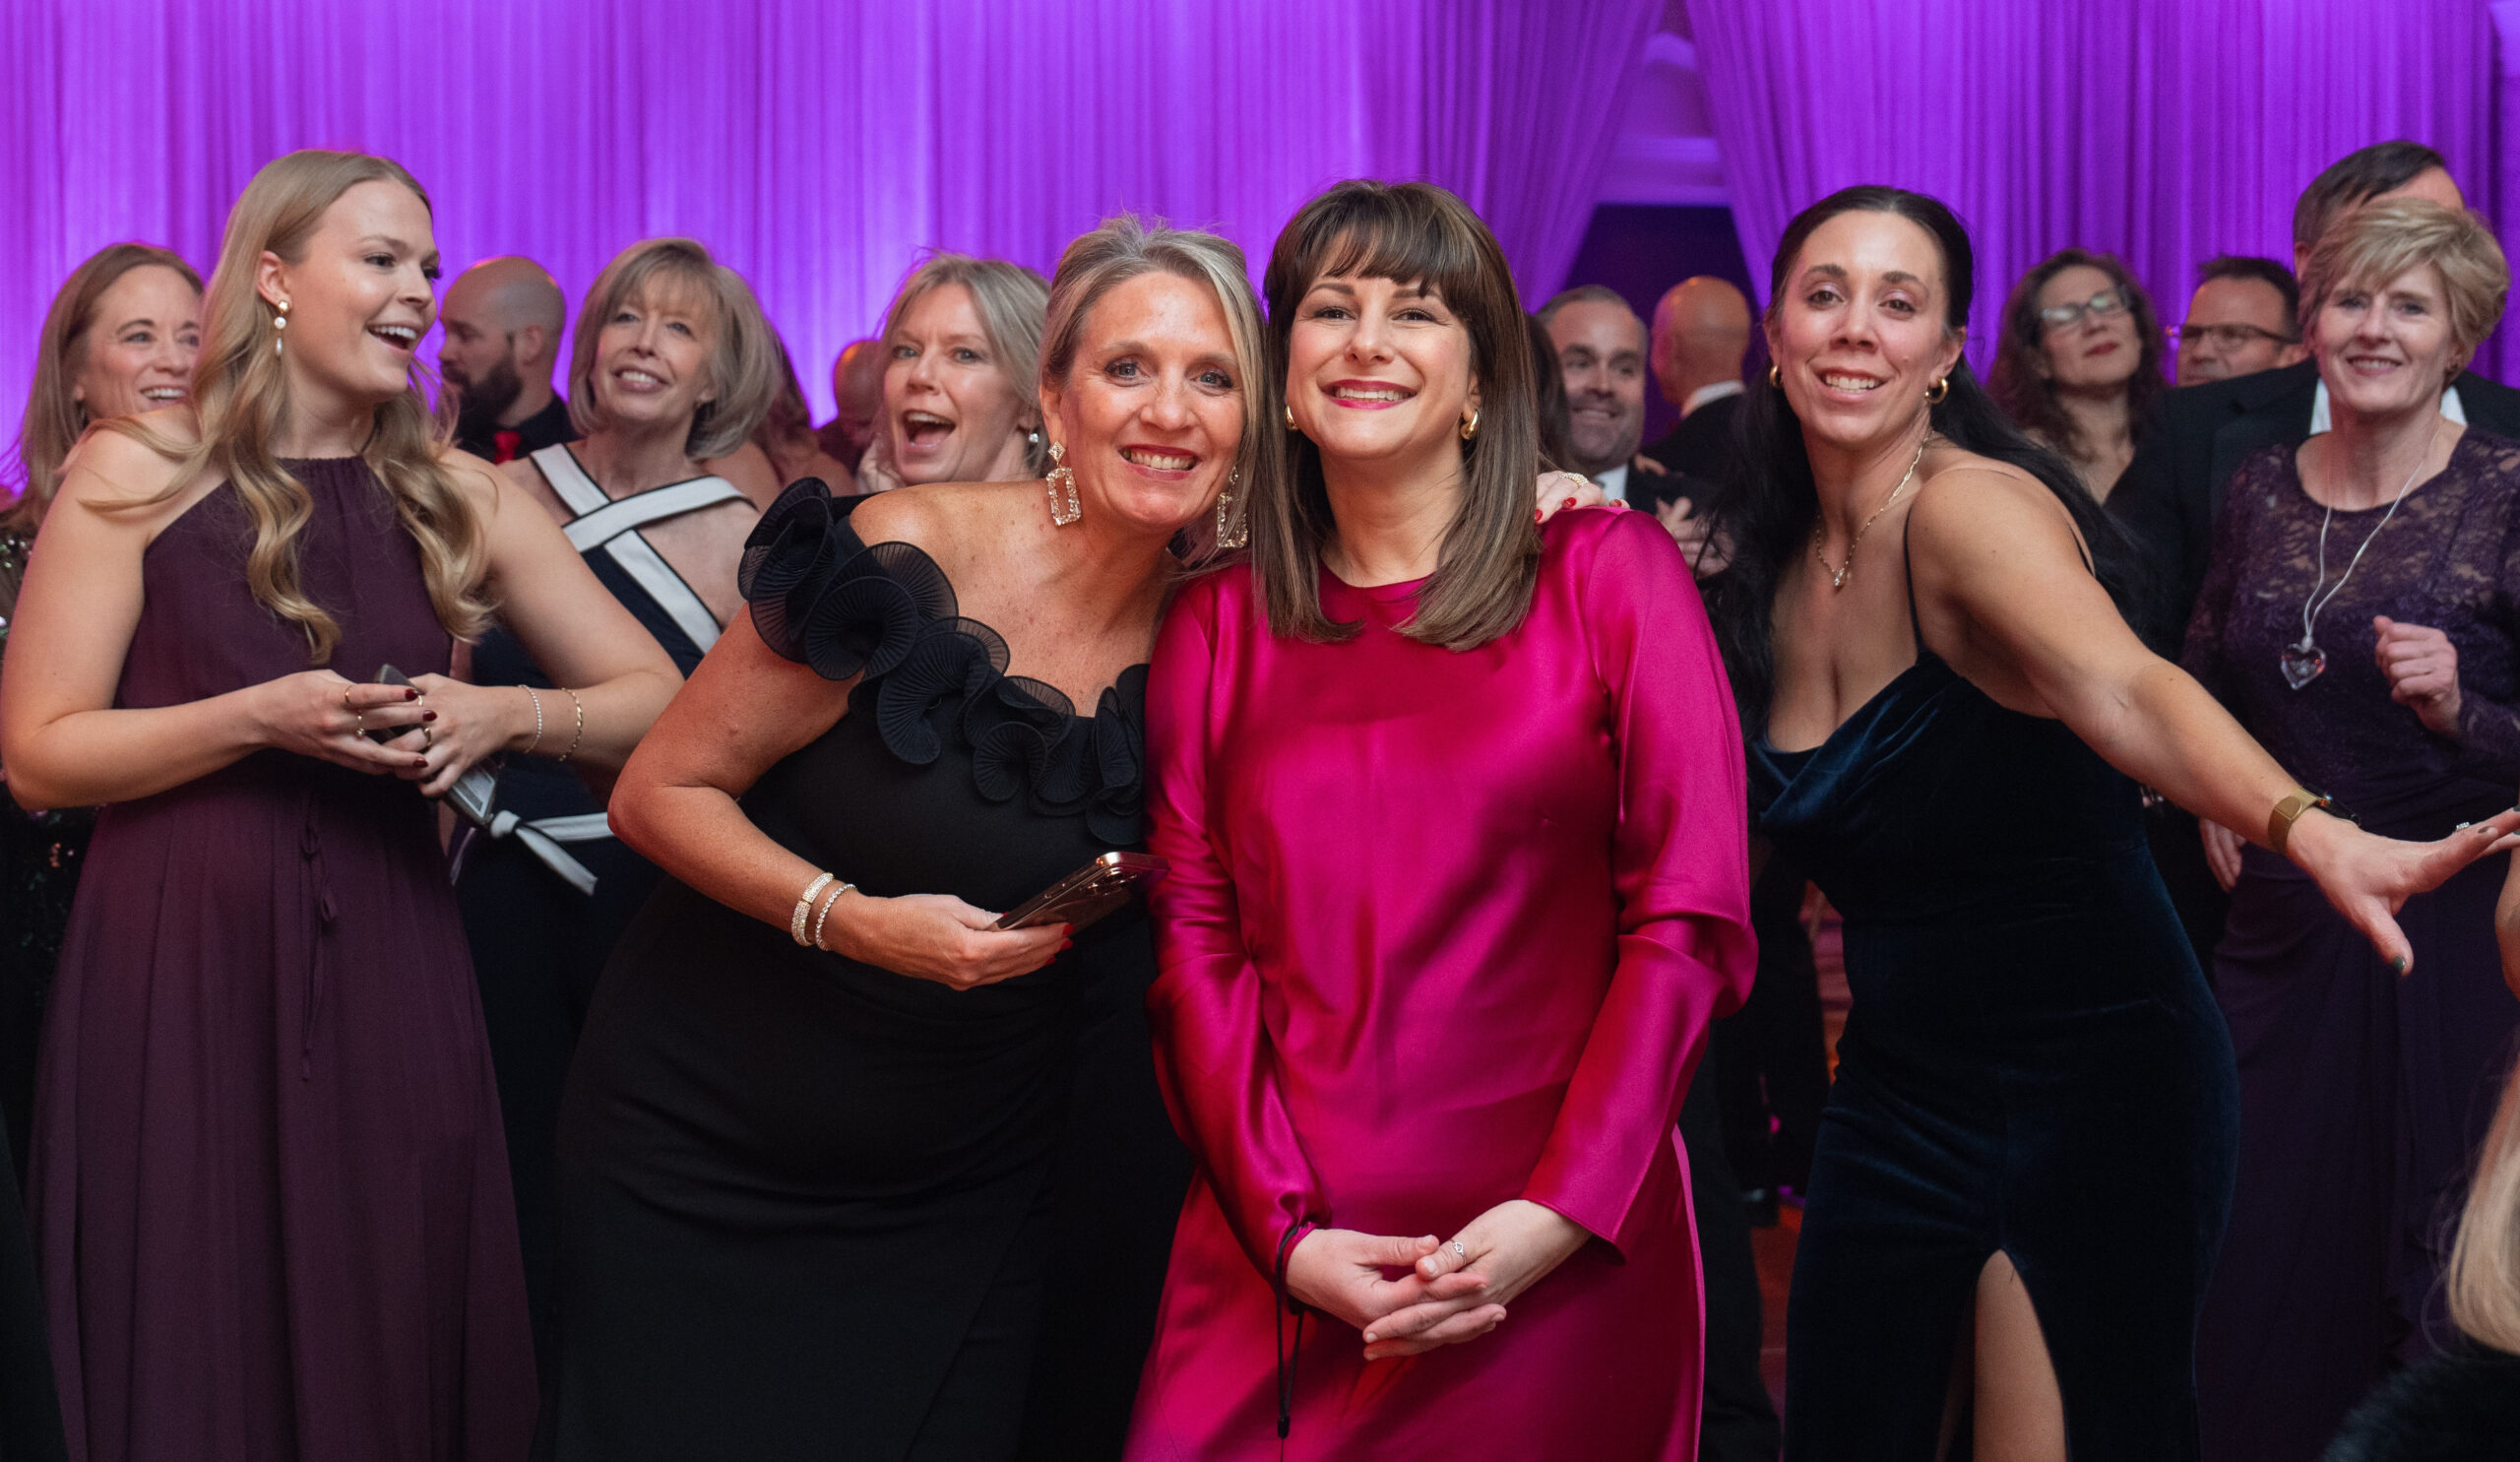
x: 1469, y: 429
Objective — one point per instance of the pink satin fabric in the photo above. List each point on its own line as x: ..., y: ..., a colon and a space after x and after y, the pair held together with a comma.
x: 1443, y: 929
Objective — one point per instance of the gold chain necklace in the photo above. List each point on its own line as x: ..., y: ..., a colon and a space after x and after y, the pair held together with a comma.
x: 1838, y: 575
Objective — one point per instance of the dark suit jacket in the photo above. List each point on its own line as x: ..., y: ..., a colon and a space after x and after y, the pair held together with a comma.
x: 1695, y: 451
x: 2173, y: 490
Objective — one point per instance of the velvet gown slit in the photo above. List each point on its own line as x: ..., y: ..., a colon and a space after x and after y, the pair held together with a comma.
x: 2031, y: 1065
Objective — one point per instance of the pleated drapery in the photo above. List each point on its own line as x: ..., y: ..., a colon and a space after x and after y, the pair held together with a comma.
x: 816, y: 145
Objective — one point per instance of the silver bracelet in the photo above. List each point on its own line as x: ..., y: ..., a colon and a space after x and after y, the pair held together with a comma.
x: 804, y: 906
x: 537, y: 719
x: 825, y: 914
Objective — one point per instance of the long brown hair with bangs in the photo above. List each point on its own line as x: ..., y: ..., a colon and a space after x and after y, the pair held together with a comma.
x: 1420, y: 235
x: 240, y: 397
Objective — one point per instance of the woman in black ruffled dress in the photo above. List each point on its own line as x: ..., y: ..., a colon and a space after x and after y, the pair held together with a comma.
x: 836, y: 1161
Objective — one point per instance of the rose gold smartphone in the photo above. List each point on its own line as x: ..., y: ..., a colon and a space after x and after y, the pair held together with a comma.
x: 1098, y: 888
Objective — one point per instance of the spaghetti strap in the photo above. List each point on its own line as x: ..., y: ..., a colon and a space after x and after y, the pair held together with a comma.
x: 1908, y: 572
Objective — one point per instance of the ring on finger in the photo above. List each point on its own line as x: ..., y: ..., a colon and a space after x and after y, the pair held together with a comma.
x: 346, y: 698
x: 427, y: 739
x: 1459, y: 1253
x: 358, y: 722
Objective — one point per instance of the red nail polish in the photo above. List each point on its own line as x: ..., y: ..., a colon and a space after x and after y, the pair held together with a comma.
x: 427, y: 715
x: 1570, y: 502
x: 419, y: 763
x: 413, y: 692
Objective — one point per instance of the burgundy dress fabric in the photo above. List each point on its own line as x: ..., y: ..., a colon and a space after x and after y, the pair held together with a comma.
x: 1443, y: 929
x: 2362, y: 1094
x: 271, y: 1199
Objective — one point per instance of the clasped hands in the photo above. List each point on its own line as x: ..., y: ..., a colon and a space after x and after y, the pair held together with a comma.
x: 1448, y: 1296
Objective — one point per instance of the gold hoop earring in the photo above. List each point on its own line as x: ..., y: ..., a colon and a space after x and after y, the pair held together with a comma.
x: 1241, y: 532
x: 280, y: 327
x: 1063, y: 476
x: 1776, y: 377
x: 1940, y: 388
x: 1469, y: 429
x: 1290, y: 418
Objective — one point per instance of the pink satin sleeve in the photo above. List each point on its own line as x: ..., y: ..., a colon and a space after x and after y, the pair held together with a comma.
x: 1214, y: 1058
x: 1680, y: 867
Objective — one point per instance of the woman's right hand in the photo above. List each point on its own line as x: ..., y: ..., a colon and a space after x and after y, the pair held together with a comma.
x: 320, y: 714
x: 938, y: 937
x: 2221, y: 852
x: 1339, y: 1272
x: 2369, y: 877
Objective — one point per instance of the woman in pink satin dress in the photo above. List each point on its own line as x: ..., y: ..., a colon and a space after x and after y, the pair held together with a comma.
x: 1454, y: 808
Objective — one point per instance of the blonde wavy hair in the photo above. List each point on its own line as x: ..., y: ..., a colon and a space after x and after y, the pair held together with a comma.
x: 241, y: 396
x: 2484, y: 1276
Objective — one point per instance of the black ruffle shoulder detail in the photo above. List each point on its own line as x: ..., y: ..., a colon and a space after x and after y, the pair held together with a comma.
x: 887, y: 614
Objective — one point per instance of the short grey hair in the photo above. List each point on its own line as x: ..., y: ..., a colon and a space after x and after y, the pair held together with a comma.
x: 2380, y: 242
x: 1010, y: 300
x: 1123, y: 249
x: 745, y: 365
x: 1584, y: 294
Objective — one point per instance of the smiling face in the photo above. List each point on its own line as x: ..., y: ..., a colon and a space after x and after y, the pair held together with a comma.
x: 2236, y: 326
x: 361, y: 297
x: 1378, y: 371
x: 2098, y: 351
x: 1857, y: 333
x: 135, y: 353
x: 2386, y: 348
x: 1152, y: 412
x: 652, y: 357
x: 949, y: 404
x: 1600, y: 353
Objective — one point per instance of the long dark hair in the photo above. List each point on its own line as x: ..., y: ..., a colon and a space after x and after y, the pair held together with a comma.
x: 1769, y: 501
x: 1414, y: 233
x: 2015, y: 381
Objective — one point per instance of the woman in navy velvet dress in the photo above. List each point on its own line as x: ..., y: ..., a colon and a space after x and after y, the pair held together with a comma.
x: 2033, y: 1112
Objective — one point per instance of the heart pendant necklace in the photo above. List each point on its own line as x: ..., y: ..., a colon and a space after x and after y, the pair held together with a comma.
x: 2304, y: 662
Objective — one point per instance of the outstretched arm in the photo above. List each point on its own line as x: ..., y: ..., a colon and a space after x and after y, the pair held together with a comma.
x: 2004, y: 596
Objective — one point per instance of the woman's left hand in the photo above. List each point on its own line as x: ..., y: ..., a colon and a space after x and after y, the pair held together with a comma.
x: 2423, y: 668
x: 474, y: 722
x: 1508, y: 1248
x: 2369, y: 878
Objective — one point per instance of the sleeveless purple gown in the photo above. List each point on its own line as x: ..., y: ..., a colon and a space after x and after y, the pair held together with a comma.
x: 271, y: 1198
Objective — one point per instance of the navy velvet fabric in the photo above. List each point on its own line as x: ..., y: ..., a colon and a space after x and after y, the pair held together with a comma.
x: 2033, y: 1063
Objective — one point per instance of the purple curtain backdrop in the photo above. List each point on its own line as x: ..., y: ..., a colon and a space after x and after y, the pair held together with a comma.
x: 2164, y: 131
x: 814, y: 144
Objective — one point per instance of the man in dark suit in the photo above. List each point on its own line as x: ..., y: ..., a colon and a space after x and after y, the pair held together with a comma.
x: 1701, y: 331
x: 2173, y: 490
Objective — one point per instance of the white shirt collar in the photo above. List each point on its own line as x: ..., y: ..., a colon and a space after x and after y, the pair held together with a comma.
x: 2452, y: 409
x: 1613, y: 482
x: 1704, y: 394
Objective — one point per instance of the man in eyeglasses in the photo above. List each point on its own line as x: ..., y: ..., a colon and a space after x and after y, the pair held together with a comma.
x: 2244, y: 318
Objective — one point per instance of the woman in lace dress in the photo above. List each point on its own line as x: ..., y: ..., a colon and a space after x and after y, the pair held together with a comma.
x: 2358, y: 619
x: 810, y: 1152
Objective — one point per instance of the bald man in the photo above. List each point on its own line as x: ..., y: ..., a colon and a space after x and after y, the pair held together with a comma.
x: 1701, y: 331
x: 857, y: 384
x: 503, y: 319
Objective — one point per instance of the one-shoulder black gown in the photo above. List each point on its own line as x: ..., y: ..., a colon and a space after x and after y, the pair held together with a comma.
x: 2032, y: 1063
x: 811, y: 1208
